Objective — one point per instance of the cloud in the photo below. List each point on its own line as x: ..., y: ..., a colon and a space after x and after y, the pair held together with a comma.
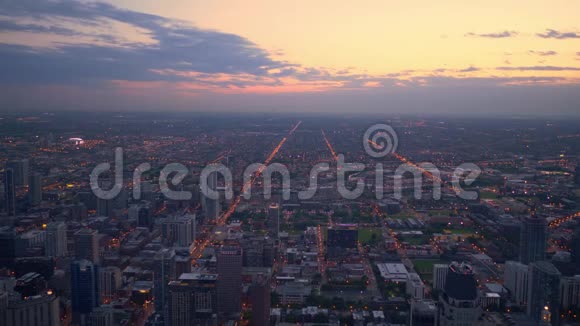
x: 554, y: 34
x: 539, y: 68
x: 97, y: 55
x: 7, y: 25
x: 543, y: 53
x: 175, y: 43
x: 503, y: 34
x: 470, y: 69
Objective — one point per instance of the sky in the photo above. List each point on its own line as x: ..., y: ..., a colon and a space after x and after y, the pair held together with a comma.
x: 368, y: 56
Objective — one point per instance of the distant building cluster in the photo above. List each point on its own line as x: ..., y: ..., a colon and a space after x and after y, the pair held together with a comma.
x: 69, y: 257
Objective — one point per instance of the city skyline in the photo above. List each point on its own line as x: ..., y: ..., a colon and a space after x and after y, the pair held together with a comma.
x: 419, y: 254
x: 273, y: 163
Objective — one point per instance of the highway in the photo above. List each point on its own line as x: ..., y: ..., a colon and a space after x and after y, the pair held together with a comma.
x: 556, y: 223
x: 222, y: 220
x: 332, y: 152
x: 425, y: 172
x: 372, y: 287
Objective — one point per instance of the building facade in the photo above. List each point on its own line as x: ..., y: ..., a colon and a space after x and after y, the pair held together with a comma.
x: 460, y: 301
x: 55, y: 240
x: 84, y: 289
x: 533, y: 240
x: 516, y: 281
x: 192, y: 300
x: 87, y: 245
x: 229, y: 287
x: 544, y: 292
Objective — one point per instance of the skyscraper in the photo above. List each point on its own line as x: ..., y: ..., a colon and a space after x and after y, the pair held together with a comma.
x: 259, y: 293
x: 84, y: 288
x: 41, y: 309
x: 121, y: 200
x: 86, y: 245
x: 35, y: 188
x: 20, y: 168
x: 544, y: 292
x: 516, y: 281
x: 109, y: 283
x: 192, y: 300
x: 9, y: 244
x: 460, y: 302
x: 439, y: 275
x: 55, y: 239
x: 229, y: 288
x: 9, y: 192
x: 105, y: 207
x: 179, y: 231
x: 575, y: 246
x: 142, y: 213
x: 533, y: 240
x: 101, y: 317
x: 163, y: 273
x: 274, y: 219
x: 211, y: 206
x: 570, y: 292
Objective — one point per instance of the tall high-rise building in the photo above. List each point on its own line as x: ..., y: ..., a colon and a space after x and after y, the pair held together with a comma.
x: 460, y: 302
x: 259, y: 293
x: 414, y: 286
x: 423, y: 313
x: 121, y: 200
x: 229, y: 288
x: 163, y: 273
x: 133, y: 212
x: 211, y: 207
x: 35, y: 188
x: 87, y: 245
x: 20, y: 168
x: 55, y: 239
x: 516, y: 279
x: 182, y: 262
x: 109, y: 283
x: 41, y: 309
x: 439, y: 275
x: 142, y: 213
x: 575, y: 255
x: 105, y: 207
x: 258, y: 251
x: 192, y: 300
x: 570, y: 292
x: 9, y: 192
x: 179, y: 231
x: 544, y: 292
x: 101, y: 317
x: 84, y: 288
x: 274, y: 219
x: 11, y: 246
x: 533, y: 240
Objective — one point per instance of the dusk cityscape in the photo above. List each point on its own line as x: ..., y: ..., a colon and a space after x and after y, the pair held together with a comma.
x: 184, y: 163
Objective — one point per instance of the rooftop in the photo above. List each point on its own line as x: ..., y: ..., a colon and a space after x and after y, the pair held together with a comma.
x: 197, y: 276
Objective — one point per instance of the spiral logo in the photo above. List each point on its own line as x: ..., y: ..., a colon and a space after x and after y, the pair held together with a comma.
x: 380, y: 140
